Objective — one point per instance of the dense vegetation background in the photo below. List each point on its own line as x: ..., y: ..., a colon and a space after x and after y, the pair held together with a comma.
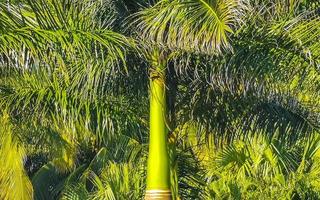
x: 243, y: 86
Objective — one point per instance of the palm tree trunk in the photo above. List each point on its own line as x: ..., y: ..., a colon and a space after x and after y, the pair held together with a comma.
x: 158, y: 173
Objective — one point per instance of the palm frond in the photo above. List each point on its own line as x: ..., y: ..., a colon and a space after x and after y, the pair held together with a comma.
x: 48, y: 182
x: 192, y: 25
x: 14, y: 182
x: 52, y: 30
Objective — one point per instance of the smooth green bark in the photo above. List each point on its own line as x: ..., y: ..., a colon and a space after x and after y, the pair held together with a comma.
x: 158, y: 173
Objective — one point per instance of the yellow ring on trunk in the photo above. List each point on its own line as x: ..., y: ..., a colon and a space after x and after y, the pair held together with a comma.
x: 158, y: 195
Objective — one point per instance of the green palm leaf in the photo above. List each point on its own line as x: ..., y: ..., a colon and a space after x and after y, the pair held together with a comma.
x: 191, y: 25
x: 14, y: 182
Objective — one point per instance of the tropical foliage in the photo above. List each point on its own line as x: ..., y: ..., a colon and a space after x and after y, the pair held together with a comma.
x: 243, y: 102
